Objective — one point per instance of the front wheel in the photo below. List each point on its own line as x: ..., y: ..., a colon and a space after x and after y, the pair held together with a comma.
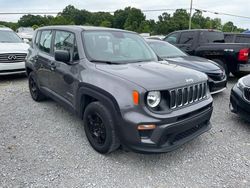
x: 99, y: 128
x: 222, y: 64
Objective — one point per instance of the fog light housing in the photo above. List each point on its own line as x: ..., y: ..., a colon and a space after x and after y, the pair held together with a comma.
x: 146, y: 127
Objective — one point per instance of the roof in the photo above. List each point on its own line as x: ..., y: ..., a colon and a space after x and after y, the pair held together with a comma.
x: 82, y: 28
x: 238, y: 34
x: 247, y: 32
x: 200, y: 30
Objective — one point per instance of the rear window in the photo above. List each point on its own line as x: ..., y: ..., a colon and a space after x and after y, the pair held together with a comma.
x: 45, y: 41
x: 211, y: 37
x: 242, y: 39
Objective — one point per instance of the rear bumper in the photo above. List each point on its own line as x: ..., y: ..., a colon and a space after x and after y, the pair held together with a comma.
x: 167, y: 136
x: 217, y: 86
x: 244, y: 68
x: 238, y: 104
x: 12, y: 68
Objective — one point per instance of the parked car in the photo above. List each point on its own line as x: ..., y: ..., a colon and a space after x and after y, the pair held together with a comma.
x: 156, y: 37
x: 211, y: 44
x: 25, y: 33
x: 217, y: 78
x: 111, y: 79
x: 13, y: 52
x: 237, y: 38
x: 240, y: 98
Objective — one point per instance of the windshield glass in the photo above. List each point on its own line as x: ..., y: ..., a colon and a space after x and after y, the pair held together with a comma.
x: 164, y: 49
x: 9, y: 37
x: 116, y: 46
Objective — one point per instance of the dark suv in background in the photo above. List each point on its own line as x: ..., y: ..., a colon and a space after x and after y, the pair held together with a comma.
x: 210, y: 44
x: 111, y: 79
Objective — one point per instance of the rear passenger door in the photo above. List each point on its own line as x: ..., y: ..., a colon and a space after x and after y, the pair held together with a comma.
x: 44, y: 58
x: 63, y: 76
x: 186, y: 41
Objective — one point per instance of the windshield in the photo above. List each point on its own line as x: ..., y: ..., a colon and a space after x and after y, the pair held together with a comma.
x: 9, y: 37
x: 116, y: 46
x: 164, y: 49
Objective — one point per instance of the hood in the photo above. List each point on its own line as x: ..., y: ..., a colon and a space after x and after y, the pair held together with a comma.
x: 196, y: 63
x: 154, y: 75
x: 246, y: 80
x: 14, y: 47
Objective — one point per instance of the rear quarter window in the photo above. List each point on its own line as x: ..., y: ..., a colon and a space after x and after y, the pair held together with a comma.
x: 36, y: 42
x: 45, y: 41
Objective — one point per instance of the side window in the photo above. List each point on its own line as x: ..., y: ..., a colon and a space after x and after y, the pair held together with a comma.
x: 229, y: 38
x: 187, y: 38
x: 242, y: 39
x: 172, y: 38
x: 45, y: 41
x: 66, y: 41
x: 37, y: 38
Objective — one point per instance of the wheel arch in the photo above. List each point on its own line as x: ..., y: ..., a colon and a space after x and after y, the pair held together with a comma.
x: 88, y: 93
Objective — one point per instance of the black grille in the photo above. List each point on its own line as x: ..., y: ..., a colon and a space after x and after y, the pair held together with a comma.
x: 188, y: 132
x: 184, y: 96
x: 12, y: 57
x: 247, y: 93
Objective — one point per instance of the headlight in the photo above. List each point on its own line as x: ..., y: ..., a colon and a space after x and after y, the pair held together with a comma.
x: 240, y: 84
x: 153, y: 99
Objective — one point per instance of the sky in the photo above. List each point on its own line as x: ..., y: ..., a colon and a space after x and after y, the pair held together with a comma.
x: 237, y: 7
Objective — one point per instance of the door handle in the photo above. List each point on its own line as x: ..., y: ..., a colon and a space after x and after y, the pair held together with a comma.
x: 52, y: 65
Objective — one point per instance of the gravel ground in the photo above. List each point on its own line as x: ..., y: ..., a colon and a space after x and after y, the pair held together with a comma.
x: 43, y: 145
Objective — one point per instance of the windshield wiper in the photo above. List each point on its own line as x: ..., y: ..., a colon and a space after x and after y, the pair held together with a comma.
x: 103, y: 61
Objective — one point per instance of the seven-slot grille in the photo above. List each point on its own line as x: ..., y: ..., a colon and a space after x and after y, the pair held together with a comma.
x: 187, y: 95
x: 12, y: 57
x: 247, y: 94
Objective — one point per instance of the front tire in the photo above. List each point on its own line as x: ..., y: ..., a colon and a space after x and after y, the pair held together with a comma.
x: 99, y: 127
x: 222, y: 64
x: 35, y: 92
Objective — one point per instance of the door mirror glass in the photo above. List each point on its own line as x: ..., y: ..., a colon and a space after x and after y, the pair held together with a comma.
x: 63, y: 56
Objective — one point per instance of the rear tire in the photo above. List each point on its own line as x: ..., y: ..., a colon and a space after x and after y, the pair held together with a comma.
x: 99, y: 128
x: 35, y: 92
x: 222, y: 64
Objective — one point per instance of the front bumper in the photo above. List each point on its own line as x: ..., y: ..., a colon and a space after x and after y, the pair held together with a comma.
x: 217, y: 86
x: 238, y: 104
x: 169, y: 134
x: 12, y: 68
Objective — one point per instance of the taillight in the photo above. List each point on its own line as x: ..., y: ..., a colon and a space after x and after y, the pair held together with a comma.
x: 244, y: 54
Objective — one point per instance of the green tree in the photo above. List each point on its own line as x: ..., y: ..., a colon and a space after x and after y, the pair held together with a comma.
x: 134, y: 19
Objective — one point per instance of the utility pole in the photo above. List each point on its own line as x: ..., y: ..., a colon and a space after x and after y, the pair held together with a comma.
x: 190, y: 16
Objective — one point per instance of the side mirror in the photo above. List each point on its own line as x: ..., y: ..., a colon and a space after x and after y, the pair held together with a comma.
x: 62, y: 55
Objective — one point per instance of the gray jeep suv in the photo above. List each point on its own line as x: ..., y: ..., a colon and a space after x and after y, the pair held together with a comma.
x: 111, y: 78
